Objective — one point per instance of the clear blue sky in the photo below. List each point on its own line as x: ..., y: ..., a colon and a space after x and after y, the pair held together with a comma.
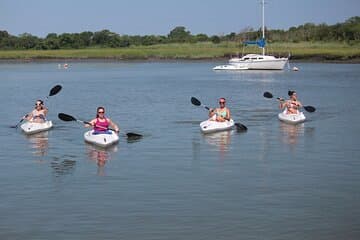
x: 159, y: 17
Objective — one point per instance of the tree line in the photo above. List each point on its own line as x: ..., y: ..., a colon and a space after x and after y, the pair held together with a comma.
x: 348, y: 32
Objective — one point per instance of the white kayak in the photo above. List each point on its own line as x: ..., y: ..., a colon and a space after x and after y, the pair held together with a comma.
x: 292, y: 118
x: 33, y: 127
x: 101, y: 139
x: 210, y: 126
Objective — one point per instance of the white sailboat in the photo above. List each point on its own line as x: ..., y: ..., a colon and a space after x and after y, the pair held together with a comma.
x: 255, y: 61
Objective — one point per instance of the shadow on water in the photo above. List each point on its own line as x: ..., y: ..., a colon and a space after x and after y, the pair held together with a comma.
x: 62, y: 166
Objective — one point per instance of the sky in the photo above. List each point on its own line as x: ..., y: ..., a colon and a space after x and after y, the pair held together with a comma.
x: 159, y: 17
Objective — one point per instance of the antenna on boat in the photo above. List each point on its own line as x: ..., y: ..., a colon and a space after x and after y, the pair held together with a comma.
x: 263, y: 25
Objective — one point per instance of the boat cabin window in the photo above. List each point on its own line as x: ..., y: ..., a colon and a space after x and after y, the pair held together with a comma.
x: 246, y: 58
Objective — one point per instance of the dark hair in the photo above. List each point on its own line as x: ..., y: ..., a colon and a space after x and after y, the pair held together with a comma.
x: 41, y: 103
x: 97, y: 110
x: 222, y: 98
x: 291, y: 92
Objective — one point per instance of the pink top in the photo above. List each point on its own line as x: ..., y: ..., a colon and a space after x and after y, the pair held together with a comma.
x: 101, y: 126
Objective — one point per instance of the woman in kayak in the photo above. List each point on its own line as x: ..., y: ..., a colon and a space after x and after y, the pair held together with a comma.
x: 101, y: 123
x: 37, y: 115
x: 292, y: 105
x: 220, y: 114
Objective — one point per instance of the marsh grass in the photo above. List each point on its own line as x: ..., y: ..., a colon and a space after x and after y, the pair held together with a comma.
x: 206, y: 50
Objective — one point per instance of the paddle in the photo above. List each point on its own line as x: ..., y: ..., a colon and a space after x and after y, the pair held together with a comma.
x: 68, y: 118
x: 196, y: 102
x: 310, y: 109
x: 53, y: 91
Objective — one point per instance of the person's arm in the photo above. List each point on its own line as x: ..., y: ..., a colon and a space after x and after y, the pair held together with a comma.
x: 28, y: 116
x: 211, y: 112
x: 92, y: 123
x: 228, y: 115
x: 45, y: 110
x: 114, y: 126
x: 282, y: 103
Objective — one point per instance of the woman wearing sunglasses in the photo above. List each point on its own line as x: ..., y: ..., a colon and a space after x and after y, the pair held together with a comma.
x: 220, y: 114
x: 37, y: 115
x: 292, y: 105
x: 101, y: 123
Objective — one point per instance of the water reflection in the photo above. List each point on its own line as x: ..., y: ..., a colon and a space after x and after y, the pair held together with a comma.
x: 291, y: 133
x: 100, y: 155
x: 39, y: 143
x: 221, y: 140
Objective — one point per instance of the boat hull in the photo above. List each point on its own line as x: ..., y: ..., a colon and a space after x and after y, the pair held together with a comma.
x: 101, y: 139
x: 211, y: 126
x: 292, y: 118
x: 33, y: 127
x: 254, y: 62
x: 229, y: 67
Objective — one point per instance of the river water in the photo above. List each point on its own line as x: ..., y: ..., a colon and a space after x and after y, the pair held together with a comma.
x: 274, y: 181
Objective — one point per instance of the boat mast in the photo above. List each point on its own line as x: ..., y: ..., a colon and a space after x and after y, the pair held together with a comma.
x: 263, y: 24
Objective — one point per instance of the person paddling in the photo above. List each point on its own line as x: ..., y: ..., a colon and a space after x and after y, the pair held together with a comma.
x: 101, y: 123
x: 37, y: 115
x: 292, y: 105
x: 220, y: 114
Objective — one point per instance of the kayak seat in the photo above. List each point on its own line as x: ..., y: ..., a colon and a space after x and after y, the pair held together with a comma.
x: 102, y: 132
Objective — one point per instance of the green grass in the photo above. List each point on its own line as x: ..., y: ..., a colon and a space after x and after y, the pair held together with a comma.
x: 303, y: 50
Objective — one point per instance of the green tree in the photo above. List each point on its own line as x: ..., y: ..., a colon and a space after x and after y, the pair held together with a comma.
x: 201, y: 37
x: 86, y: 38
x: 102, y: 37
x: 179, y: 34
x: 27, y: 41
x: 215, y: 39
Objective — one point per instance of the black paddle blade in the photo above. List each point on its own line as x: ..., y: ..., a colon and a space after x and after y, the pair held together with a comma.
x: 65, y: 117
x: 310, y: 109
x: 133, y: 136
x: 268, y: 95
x: 55, y: 90
x: 195, y: 101
x: 240, y: 127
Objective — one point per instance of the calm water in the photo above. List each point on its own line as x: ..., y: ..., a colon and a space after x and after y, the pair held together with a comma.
x: 273, y: 182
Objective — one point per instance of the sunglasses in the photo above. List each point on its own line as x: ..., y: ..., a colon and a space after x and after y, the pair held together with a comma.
x: 221, y: 102
x: 37, y: 104
x: 101, y: 112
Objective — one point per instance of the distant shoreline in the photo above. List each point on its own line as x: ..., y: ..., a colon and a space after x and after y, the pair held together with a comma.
x: 315, y: 59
